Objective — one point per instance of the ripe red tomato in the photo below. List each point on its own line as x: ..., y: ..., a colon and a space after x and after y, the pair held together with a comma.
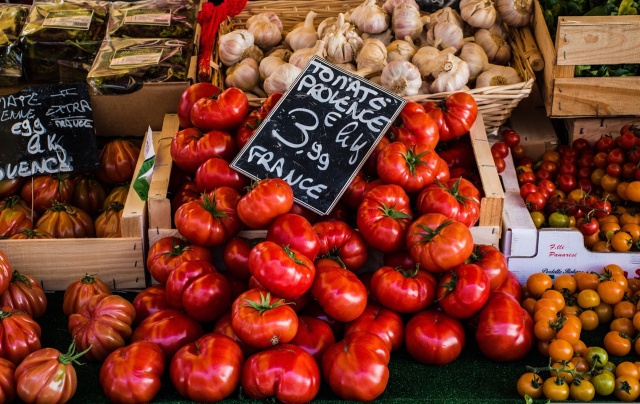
x: 385, y: 323
x: 438, y: 243
x: 211, y: 220
x: 340, y: 293
x: 78, y: 293
x: 580, y: 144
x: 189, y: 97
x: 403, y: 290
x: 149, y: 301
x: 604, y: 143
x: 457, y: 199
x: 295, y: 231
x: 341, y: 243
x: 356, y: 368
x: 493, y: 263
x: 433, y: 337
x: 235, y: 256
x: 169, y: 329
x: 417, y: 127
x: 215, y: 173
x: 500, y: 164
x: 314, y: 336
x: 535, y: 201
x: 191, y: 147
x: 455, y: 117
x: 266, y: 200
x: 42, y: 190
x: 510, y: 137
x: 19, y: 335
x: 463, y: 291
x: 359, y: 185
x: 224, y: 111
x: 102, y: 325
x: 499, y: 149
x: 118, y: 161
x: 7, y: 381
x: 384, y: 216
x: 208, y: 369
x: 132, y: 374
x: 285, y: 372
x: 262, y: 320
x: 26, y: 294
x: 169, y: 252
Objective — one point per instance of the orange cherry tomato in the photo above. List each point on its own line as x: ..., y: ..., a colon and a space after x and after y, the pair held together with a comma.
x: 565, y: 283
x: 560, y: 350
x: 617, y: 344
x: 538, y: 282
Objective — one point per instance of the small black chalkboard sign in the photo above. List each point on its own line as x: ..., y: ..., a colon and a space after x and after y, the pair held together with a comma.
x: 320, y: 133
x: 47, y: 129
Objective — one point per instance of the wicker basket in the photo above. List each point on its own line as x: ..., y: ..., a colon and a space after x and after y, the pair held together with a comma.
x: 494, y: 102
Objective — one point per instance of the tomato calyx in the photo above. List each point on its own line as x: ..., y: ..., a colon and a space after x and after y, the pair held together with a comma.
x: 11, y: 201
x: 178, y: 247
x: 18, y: 277
x: 264, y: 304
x: 449, y: 286
x: 333, y: 255
x: 210, y: 206
x: 432, y: 233
x: 72, y: 356
x: 409, y: 273
x: 392, y: 213
x: 88, y: 278
x: 114, y: 206
x: 292, y: 255
x: 413, y: 159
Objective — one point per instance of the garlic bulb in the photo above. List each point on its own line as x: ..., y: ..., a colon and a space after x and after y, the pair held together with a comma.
x: 255, y: 53
x: 478, y: 13
x: 268, y: 65
x: 406, y: 21
x: 401, y: 50
x: 515, y: 13
x: 444, y: 35
x: 328, y: 25
x: 446, y: 14
x: 390, y: 5
x: 304, y: 35
x: 452, y: 74
x: 476, y: 58
x: 280, y: 53
x: 372, y: 55
x: 425, y: 58
x: 343, y: 42
x: 495, y: 44
x: 370, y: 18
x: 375, y: 80
x: 244, y: 75
x: 385, y: 37
x: 266, y: 29
x: 301, y: 57
x: 281, y: 78
x: 401, y: 77
x: 496, y: 75
x: 233, y: 46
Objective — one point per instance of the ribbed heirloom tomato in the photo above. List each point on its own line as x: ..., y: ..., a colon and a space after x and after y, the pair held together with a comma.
x: 19, y: 335
x: 463, y: 291
x: 78, y: 293
x: 433, y: 337
x: 297, y: 232
x: 26, y: 294
x: 341, y: 243
x: 169, y: 329
x: 455, y: 117
x: 385, y: 323
x: 403, y: 290
x: 457, y: 199
x: 266, y: 200
x: 191, y: 147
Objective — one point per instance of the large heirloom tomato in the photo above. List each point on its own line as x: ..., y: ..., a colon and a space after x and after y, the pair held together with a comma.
x: 189, y: 97
x: 102, y: 325
x: 80, y: 291
x: 47, y: 376
x: 148, y: 301
x: 10, y: 187
x: 261, y: 320
x: 25, y: 294
x: 417, y: 127
x: 433, y: 337
x: 235, y: 256
x: 384, y: 216
x: 314, y: 336
x: 281, y: 270
x: 285, y: 372
x: 7, y: 381
x: 13, y: 218
x: 170, y: 329
x: 455, y: 117
x: 132, y: 374
x: 295, y: 231
x: 385, y: 323
x: 411, y: 167
x: 463, y: 291
x: 356, y: 368
x: 438, y: 243
x: 224, y: 111
x: 169, y: 252
x: 215, y: 173
x: 208, y: 369
x: 403, y: 290
x: 191, y: 147
x: 88, y: 194
x: 492, y: 261
x: 211, y: 220
x: 118, y: 161
x: 339, y: 292
x: 19, y: 335
x: 341, y: 243
x: 266, y: 200
x: 457, y: 199
x: 505, y: 329
x: 42, y: 190
x: 65, y: 221
x: 108, y: 223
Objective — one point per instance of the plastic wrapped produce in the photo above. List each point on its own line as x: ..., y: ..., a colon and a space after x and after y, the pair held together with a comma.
x: 153, y: 19
x: 12, y: 18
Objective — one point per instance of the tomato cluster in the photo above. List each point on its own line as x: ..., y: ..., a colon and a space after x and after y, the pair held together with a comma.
x: 563, y: 308
x: 64, y: 205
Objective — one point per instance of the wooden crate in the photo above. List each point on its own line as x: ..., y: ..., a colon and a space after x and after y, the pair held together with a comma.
x: 592, y: 128
x: 486, y: 232
x: 587, y: 41
x: 120, y: 262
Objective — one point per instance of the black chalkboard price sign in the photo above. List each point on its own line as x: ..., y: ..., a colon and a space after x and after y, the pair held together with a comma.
x: 320, y: 133
x: 47, y: 129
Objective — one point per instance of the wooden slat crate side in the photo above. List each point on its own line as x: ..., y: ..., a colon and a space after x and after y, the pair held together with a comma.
x: 593, y: 128
x: 548, y: 51
x: 595, y: 96
x: 159, y: 204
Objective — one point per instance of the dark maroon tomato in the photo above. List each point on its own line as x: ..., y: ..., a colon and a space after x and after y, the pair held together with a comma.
x: 604, y: 143
x: 580, y: 144
x: 616, y: 155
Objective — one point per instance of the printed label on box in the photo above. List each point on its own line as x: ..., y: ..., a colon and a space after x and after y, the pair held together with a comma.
x: 148, y: 17
x: 68, y: 19
x: 135, y: 57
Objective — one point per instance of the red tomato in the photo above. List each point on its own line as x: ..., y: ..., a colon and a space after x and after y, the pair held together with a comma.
x: 102, y: 325
x: 384, y: 216
x: 65, y: 221
x: 295, y: 231
x: 118, y: 161
x: 19, y: 335
x: 10, y: 187
x: 457, y: 199
x: 356, y: 368
x: 510, y: 137
x: 266, y: 200
x: 417, y: 127
x: 500, y: 164
x: 340, y: 293
x: 188, y: 191
x: 13, y: 220
x: 235, y: 256
x: 504, y: 330
x: 88, y: 194
x: 285, y: 372
x: 132, y: 374
x: 511, y: 286
x: 314, y: 336
x: 42, y: 190
x: 604, y: 143
x: 262, y: 320
x: 169, y: 252
x: 47, y: 376
x: 401, y: 259
x: 385, y: 323
x: 223, y: 326
x: 281, y: 270
x: 78, y: 293
x: 341, y: 243
x: 455, y: 117
x: 463, y: 291
x: 7, y: 381
x: 433, y: 337
x: 25, y: 294
x: 169, y: 329
x: 458, y: 153
x: 359, y: 185
x: 403, y: 290
x: 438, y: 243
x: 224, y: 111
x: 208, y: 369
x: 149, y: 301
x: 191, y: 147
x: 189, y: 97
x: 500, y: 149
x: 211, y: 220
x: 215, y: 173
x: 493, y: 263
